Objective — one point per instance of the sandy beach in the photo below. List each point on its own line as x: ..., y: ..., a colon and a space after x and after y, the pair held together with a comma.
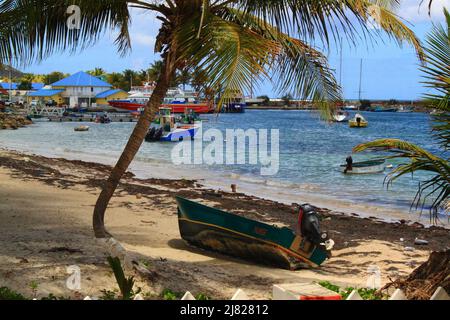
x: 45, y: 226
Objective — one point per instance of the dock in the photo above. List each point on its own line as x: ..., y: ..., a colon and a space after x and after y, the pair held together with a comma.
x: 92, y: 116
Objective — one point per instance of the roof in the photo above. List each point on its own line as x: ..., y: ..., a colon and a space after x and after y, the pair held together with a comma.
x: 8, y: 86
x: 108, y: 93
x: 37, y: 86
x: 44, y: 93
x: 81, y: 79
x: 15, y: 86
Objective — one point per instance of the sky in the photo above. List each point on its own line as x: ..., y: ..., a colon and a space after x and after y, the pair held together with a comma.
x: 389, y: 72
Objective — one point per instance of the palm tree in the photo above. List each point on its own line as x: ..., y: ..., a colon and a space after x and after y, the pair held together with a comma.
x: 232, y: 43
x: 97, y: 72
x: 437, y: 78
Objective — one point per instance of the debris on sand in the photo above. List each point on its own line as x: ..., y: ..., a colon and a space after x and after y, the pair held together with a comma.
x: 427, y: 278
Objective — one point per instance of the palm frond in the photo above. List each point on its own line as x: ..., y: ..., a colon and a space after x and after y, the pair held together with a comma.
x: 325, y: 20
x: 437, y: 187
x: 225, y: 54
x: 34, y: 29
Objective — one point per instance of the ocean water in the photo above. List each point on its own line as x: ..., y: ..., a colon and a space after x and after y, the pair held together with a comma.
x: 310, y: 154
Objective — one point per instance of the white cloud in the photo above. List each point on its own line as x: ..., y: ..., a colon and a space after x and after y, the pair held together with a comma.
x: 413, y: 11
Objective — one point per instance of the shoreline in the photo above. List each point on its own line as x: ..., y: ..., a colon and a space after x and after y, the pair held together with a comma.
x: 142, y: 215
x: 266, y: 189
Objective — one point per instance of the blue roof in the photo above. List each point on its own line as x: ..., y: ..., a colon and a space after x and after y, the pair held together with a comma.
x: 108, y: 93
x: 44, y: 93
x: 15, y: 86
x: 37, y: 86
x: 8, y: 86
x: 81, y: 79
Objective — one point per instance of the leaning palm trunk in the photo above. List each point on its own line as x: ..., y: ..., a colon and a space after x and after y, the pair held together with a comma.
x: 131, y: 149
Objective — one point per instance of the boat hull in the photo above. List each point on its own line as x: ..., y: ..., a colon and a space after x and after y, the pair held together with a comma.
x: 233, y: 235
x: 368, y: 167
x: 180, y: 134
x: 175, y: 108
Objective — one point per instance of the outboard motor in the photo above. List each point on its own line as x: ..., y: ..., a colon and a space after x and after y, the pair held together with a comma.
x: 150, y: 135
x: 158, y: 134
x: 309, y: 225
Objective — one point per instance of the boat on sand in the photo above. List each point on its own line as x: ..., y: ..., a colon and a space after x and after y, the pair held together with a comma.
x: 237, y: 236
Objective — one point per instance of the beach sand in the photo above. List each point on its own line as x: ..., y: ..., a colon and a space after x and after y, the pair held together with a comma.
x: 45, y: 226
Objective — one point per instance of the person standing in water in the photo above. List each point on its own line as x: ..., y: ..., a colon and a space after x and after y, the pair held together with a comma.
x: 349, y: 167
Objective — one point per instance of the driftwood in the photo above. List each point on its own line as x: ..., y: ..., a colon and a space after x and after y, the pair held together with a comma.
x: 426, y: 279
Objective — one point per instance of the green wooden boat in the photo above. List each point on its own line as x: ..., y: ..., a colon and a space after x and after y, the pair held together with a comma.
x: 230, y: 234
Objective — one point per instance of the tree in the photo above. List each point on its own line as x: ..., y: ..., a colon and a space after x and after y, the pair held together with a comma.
x: 97, y: 72
x: 184, y: 77
x: 266, y: 99
x: 287, y: 98
x: 25, y: 85
x: 54, y: 77
x: 233, y: 43
x: 365, y: 104
x: 437, y: 78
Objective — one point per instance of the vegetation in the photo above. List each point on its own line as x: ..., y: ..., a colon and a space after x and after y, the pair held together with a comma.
x: 365, y: 104
x: 231, y: 45
x: 125, y: 284
x: 437, y: 78
x: 8, y: 294
x: 366, y: 294
x: 168, y: 294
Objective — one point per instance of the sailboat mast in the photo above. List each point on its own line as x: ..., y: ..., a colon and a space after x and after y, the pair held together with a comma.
x: 360, y: 79
x: 10, y: 79
x: 340, y: 67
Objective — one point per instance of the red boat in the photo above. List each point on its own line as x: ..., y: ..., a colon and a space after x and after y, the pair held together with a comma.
x: 177, y: 100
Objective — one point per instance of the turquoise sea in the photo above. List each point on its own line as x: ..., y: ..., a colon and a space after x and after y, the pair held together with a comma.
x: 310, y: 154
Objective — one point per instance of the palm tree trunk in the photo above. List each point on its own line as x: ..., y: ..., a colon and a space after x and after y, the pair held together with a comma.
x: 134, y: 143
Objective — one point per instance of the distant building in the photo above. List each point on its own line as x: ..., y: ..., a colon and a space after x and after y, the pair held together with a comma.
x: 16, y: 94
x: 79, y: 90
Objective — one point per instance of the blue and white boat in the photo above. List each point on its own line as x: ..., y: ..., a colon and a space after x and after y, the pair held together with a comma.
x: 166, y: 129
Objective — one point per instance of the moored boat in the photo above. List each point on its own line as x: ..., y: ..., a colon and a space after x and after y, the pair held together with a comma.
x: 366, y: 167
x: 234, y: 235
x: 38, y: 118
x: 340, y: 116
x: 358, y: 121
x: 177, y: 100
x: 81, y: 128
x: 166, y: 129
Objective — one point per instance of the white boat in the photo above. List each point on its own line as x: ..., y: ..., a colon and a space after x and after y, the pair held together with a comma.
x: 350, y: 108
x: 366, y: 167
x: 36, y: 118
x: 340, y: 116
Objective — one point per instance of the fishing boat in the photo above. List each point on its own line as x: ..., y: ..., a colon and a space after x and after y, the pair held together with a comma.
x: 166, y: 129
x: 234, y: 235
x: 358, y: 122
x: 176, y: 99
x: 366, y: 167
